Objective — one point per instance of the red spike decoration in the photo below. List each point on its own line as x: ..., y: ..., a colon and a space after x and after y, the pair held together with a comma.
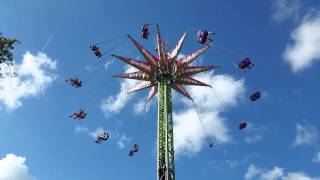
x: 161, y: 74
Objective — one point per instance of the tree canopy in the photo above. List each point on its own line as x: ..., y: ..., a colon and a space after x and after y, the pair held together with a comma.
x: 6, y: 55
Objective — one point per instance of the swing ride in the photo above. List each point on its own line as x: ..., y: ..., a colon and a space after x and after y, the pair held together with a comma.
x: 160, y: 74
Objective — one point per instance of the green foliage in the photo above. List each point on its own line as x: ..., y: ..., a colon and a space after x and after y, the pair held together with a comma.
x: 6, y: 54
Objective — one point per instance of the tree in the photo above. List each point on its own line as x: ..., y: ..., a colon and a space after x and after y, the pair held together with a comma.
x: 6, y: 55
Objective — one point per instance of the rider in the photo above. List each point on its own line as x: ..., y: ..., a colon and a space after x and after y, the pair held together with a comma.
x: 102, y: 137
x: 203, y: 36
x: 145, y: 31
x: 79, y: 115
x: 211, y: 145
x: 242, y: 125
x: 94, y: 47
x: 75, y: 82
x: 255, y: 96
x: 245, y: 64
x: 96, y: 50
x: 134, y: 149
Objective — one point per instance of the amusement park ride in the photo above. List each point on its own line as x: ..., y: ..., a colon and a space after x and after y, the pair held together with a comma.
x: 161, y: 74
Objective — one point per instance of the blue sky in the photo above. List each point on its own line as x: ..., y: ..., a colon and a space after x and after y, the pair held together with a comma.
x: 39, y: 141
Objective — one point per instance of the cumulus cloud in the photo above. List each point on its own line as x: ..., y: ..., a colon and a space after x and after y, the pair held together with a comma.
x: 108, y: 64
x: 306, y: 134
x: 97, y: 132
x: 97, y: 67
x: 276, y: 173
x: 92, y: 133
x: 114, y: 104
x: 81, y: 129
x: 33, y: 78
x: 254, y: 139
x: 284, y: 9
x: 316, y: 158
x: 305, y: 49
x: 252, y: 172
x: 189, y: 134
x: 13, y: 167
x: 298, y: 176
x: 254, y: 134
x: 91, y: 68
x: 121, y: 139
x: 273, y: 174
x: 142, y: 107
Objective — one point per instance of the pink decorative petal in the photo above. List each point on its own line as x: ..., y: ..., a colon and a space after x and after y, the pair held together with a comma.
x: 142, y: 66
x: 141, y: 85
x: 181, y: 90
x: 175, y: 52
x: 192, y: 70
x: 139, y: 75
x: 161, y: 52
x: 185, y: 61
x: 191, y: 81
x: 145, y: 53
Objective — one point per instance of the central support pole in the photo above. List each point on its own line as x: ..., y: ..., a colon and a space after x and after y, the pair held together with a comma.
x: 165, y: 154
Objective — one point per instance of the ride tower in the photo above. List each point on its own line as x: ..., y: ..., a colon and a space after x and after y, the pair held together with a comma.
x: 161, y: 74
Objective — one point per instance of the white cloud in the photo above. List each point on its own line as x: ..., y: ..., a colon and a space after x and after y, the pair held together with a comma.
x: 305, y: 49
x: 115, y: 136
x: 284, y: 9
x: 97, y: 132
x: 254, y: 133
x: 189, y: 136
x: 139, y: 107
x: 225, y: 93
x: 92, y: 133
x: 91, y: 68
x: 276, y: 173
x: 123, y: 141
x: 298, y: 176
x: 306, y: 134
x: 273, y: 174
x: 33, y: 78
x: 316, y: 158
x: 81, y: 129
x: 142, y: 107
x: 107, y: 64
x: 188, y: 132
x: 114, y: 104
x: 252, y: 172
x: 97, y: 67
x: 13, y: 167
x: 254, y: 139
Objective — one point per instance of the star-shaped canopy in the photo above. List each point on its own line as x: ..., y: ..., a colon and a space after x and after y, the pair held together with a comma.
x: 167, y: 67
